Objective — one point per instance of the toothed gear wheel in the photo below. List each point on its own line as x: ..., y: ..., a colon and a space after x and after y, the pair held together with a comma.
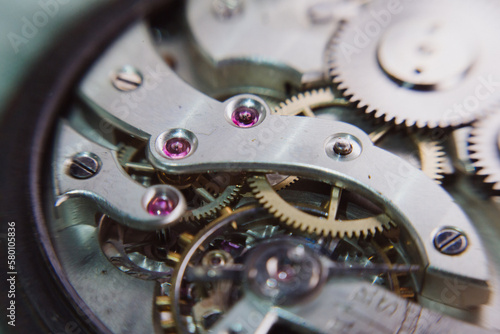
x: 306, y: 102
x: 485, y: 149
x: 426, y: 63
x: 208, y: 190
x: 214, y: 205
x: 431, y: 155
x: 125, y: 154
x: 280, y: 182
x: 328, y: 226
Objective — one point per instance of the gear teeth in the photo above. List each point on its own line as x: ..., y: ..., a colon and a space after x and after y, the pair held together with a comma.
x: 484, y: 149
x: 344, y: 71
x: 432, y: 157
x: 296, y: 219
x: 325, y: 97
x: 228, y: 196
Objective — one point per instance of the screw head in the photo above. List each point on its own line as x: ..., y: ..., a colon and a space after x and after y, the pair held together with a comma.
x: 245, y: 117
x: 450, y: 241
x: 127, y: 79
x: 84, y: 165
x: 342, y: 146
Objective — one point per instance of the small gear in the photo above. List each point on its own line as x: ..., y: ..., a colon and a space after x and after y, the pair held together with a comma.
x: 125, y: 153
x: 306, y: 102
x: 424, y: 66
x: 280, y: 182
x: 485, y: 149
x: 212, y: 203
x: 211, y: 192
x: 431, y: 155
x: 329, y: 226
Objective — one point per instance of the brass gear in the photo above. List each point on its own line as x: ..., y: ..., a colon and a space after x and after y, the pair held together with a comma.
x: 280, y: 182
x: 430, y: 153
x: 305, y: 103
x: 329, y: 226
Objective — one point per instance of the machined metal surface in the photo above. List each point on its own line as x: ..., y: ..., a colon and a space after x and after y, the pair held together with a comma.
x: 184, y: 180
x: 410, y: 51
x: 485, y: 149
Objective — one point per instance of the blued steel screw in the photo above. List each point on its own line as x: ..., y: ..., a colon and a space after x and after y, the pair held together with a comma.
x: 84, y: 166
x: 450, y: 241
x: 127, y: 79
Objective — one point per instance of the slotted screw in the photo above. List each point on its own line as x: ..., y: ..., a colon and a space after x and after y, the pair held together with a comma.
x: 450, y: 241
x: 84, y: 165
x: 127, y: 79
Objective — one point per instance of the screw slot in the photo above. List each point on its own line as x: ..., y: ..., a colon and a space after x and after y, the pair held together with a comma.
x: 127, y: 79
x: 450, y: 241
x: 84, y: 165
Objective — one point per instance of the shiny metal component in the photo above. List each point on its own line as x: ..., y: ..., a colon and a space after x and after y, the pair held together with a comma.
x: 390, y: 178
x: 450, y: 241
x: 213, y: 204
x: 213, y: 192
x: 246, y: 111
x: 127, y: 79
x: 164, y: 200
x: 217, y: 258
x: 176, y: 143
x: 84, y: 165
x: 280, y: 182
x: 330, y: 225
x: 427, y: 54
x: 235, y: 290
x: 98, y: 282
x: 273, y: 31
x: 261, y: 242
x: 122, y: 251
x: 402, y: 62
x: 323, y: 103
x: 284, y: 271
x: 342, y: 307
x: 484, y: 147
x: 114, y: 191
x: 342, y: 146
x: 432, y: 156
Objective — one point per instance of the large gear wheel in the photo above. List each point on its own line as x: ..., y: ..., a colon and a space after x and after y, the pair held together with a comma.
x: 326, y: 226
x: 226, y: 244
x: 431, y: 155
x: 485, y: 149
x: 424, y: 63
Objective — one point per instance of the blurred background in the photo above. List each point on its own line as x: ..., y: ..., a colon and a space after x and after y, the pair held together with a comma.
x: 28, y: 28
